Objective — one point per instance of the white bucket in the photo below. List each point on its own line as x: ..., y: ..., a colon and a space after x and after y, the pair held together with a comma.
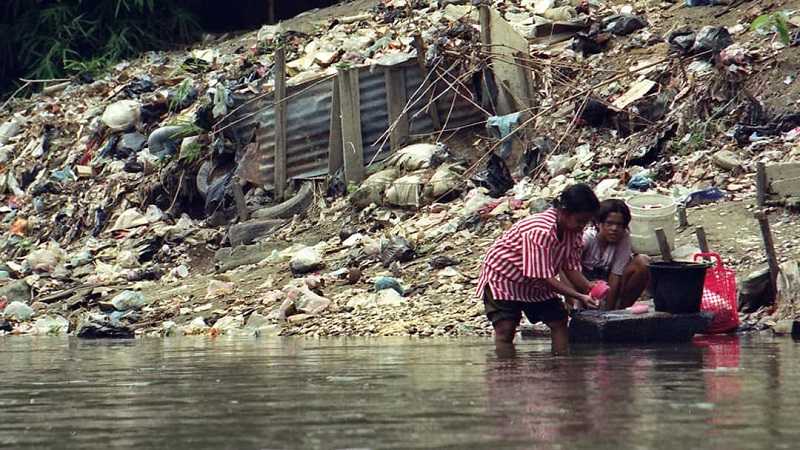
x: 649, y: 212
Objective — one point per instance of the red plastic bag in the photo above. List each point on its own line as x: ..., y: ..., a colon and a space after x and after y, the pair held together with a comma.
x: 719, y: 296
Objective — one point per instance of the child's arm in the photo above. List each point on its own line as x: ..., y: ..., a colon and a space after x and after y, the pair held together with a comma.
x: 614, y: 282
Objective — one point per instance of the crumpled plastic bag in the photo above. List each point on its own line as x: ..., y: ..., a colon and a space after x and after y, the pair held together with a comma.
x: 127, y: 300
x: 396, y: 249
x: 624, y: 24
x: 132, y: 218
x: 18, y: 311
x: 306, y: 260
x: 46, y: 259
x: 55, y: 325
x: 121, y: 115
x: 495, y: 177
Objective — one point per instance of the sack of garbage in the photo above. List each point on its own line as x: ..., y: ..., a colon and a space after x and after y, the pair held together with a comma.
x: 496, y: 177
x: 373, y: 188
x: 407, y: 190
x: 447, y: 178
x: 418, y: 156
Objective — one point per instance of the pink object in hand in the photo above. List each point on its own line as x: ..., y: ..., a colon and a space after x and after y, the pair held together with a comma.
x: 599, y: 290
x: 639, y: 308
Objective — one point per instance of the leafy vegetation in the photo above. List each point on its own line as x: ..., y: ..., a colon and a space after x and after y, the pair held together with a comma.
x: 774, y: 22
x: 45, y: 39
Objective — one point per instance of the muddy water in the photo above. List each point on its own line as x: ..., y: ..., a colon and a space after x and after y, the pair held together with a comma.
x: 396, y: 393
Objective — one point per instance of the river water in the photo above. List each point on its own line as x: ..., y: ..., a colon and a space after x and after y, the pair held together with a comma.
x: 242, y: 393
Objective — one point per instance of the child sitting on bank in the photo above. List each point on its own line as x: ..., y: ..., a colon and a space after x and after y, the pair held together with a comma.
x: 607, y: 255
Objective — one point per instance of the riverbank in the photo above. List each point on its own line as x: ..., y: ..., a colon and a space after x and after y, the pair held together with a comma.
x: 118, y: 225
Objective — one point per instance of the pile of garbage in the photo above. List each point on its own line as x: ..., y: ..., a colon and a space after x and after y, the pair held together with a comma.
x: 115, y: 189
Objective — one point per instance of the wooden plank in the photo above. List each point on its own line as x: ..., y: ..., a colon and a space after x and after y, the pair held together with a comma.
x: 683, y: 221
x: 281, y: 123
x: 238, y: 197
x: 663, y: 245
x: 506, y: 43
x: 782, y: 171
x: 270, y: 11
x: 761, y: 184
x: 433, y: 108
x: 335, y: 156
x: 769, y: 248
x: 485, y: 15
x: 352, y: 146
x: 702, y: 242
x: 788, y: 187
x: 396, y: 99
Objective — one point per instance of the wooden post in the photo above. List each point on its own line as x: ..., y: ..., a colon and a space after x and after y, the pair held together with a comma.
x: 769, y: 247
x: 433, y: 109
x: 352, y: 146
x: 271, y: 12
x: 663, y: 245
x: 683, y: 221
x: 281, y: 122
x: 761, y: 184
x: 702, y: 242
x: 335, y: 156
x: 396, y: 99
x: 485, y: 17
x: 238, y: 197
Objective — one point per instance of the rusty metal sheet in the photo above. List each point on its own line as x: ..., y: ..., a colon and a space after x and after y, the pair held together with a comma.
x: 309, y: 113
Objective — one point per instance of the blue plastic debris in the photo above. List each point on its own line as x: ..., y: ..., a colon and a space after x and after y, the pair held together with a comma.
x: 641, y: 181
x: 500, y: 127
x: 708, y: 195
x: 382, y: 283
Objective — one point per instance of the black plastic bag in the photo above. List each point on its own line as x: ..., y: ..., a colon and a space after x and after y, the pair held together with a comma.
x: 712, y: 39
x: 397, y: 249
x: 624, y: 24
x: 532, y: 156
x: 496, y: 177
x: 589, y: 43
x: 681, y: 41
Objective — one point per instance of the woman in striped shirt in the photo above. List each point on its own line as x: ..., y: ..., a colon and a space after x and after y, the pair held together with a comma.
x: 520, y: 271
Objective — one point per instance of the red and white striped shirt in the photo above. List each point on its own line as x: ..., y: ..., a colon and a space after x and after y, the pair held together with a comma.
x: 520, y: 260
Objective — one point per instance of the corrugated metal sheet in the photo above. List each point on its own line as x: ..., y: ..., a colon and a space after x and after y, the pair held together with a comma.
x: 309, y: 114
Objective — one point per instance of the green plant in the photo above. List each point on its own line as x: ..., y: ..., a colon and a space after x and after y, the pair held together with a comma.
x: 192, y: 152
x: 47, y: 39
x: 183, y: 91
x: 186, y: 126
x: 774, y: 22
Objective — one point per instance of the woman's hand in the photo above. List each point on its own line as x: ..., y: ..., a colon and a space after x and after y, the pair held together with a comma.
x: 589, y: 302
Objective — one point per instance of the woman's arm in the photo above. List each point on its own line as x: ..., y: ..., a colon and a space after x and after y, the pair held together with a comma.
x: 566, y: 290
x: 577, y: 279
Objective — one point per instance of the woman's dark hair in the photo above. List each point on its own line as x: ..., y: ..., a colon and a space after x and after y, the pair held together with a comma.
x: 613, y: 205
x: 576, y: 199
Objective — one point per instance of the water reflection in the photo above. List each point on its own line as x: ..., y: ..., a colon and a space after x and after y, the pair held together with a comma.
x: 721, y: 392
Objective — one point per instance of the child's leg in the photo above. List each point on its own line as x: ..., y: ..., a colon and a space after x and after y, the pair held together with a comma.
x: 634, y: 281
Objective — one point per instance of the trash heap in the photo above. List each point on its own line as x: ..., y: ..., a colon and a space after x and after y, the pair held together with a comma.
x: 117, y: 190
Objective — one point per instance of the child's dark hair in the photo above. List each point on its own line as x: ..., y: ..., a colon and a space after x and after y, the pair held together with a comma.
x: 576, y: 199
x: 613, y: 205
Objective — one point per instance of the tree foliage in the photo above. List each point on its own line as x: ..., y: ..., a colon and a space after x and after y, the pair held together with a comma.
x: 46, y: 39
